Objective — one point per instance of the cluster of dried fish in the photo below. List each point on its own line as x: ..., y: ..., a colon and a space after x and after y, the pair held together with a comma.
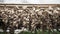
x: 31, y: 17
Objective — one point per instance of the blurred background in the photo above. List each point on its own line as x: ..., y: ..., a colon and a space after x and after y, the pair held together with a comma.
x: 31, y: 1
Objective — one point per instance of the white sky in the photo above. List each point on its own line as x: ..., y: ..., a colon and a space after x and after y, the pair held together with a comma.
x: 33, y: 1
